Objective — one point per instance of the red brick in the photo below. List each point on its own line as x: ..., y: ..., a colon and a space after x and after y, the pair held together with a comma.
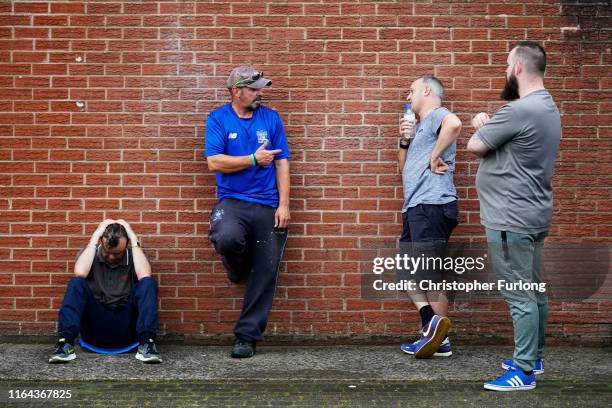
x: 151, y: 72
x: 33, y: 7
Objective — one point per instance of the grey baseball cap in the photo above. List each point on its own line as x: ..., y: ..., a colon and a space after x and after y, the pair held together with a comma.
x: 247, y: 76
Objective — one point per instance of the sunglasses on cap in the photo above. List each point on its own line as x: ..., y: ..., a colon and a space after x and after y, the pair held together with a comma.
x: 249, y: 80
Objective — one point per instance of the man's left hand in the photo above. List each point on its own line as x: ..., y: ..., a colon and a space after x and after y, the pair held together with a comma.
x: 438, y: 166
x: 282, y: 217
x: 130, y: 232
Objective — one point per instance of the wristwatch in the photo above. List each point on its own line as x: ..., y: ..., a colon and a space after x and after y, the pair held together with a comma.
x: 404, y: 146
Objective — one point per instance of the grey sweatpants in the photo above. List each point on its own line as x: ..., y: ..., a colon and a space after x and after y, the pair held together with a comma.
x: 517, y: 258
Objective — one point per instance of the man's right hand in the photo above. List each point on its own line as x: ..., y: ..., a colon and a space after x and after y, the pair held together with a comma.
x: 265, y: 157
x: 100, y: 230
x: 406, y: 129
x: 480, y: 120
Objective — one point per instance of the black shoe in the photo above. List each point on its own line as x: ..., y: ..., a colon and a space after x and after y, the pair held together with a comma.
x: 147, y: 353
x: 243, y: 349
x: 64, y: 352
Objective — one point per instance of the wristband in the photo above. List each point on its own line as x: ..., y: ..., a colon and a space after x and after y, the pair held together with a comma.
x: 404, y: 146
x: 253, y: 160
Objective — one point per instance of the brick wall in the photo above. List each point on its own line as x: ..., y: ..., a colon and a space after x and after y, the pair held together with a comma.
x: 102, y: 115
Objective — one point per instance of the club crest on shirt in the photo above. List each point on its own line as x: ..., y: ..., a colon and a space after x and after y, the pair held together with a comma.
x: 233, y: 135
x: 262, y: 136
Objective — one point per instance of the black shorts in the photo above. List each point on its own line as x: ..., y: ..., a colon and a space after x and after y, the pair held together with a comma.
x: 427, y: 229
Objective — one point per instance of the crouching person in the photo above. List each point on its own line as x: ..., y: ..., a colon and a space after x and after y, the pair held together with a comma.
x: 112, y: 300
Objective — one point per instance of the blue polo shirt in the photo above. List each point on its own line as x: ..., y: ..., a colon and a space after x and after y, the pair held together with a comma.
x: 226, y: 133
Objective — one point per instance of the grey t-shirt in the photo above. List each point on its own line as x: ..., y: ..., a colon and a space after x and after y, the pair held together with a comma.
x: 111, y: 284
x: 421, y: 185
x: 514, y: 180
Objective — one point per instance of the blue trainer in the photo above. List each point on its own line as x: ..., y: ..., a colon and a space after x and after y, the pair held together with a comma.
x: 432, y: 337
x: 444, y: 350
x: 537, y: 370
x: 512, y: 380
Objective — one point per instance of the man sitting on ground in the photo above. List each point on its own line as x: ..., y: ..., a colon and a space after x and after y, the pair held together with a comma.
x: 112, y: 300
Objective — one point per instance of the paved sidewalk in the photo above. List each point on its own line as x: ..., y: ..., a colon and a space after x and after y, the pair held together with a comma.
x: 305, y: 376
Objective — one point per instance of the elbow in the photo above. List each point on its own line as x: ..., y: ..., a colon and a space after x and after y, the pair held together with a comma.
x: 143, y: 273
x: 457, y: 129
x: 212, y: 165
x: 474, y: 151
x: 470, y: 148
x: 79, y: 273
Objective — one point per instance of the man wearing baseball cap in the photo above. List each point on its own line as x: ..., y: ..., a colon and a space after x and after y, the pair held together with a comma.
x: 247, y: 147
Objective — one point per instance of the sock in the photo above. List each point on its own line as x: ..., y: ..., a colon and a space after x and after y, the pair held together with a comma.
x: 527, y: 372
x: 146, y: 336
x: 67, y: 340
x: 426, y: 313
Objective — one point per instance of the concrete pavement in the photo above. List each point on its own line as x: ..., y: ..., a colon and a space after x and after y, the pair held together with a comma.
x: 307, y: 376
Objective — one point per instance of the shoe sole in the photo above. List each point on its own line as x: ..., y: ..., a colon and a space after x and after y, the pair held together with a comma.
x: 436, y: 354
x: 502, y: 388
x: 434, y: 342
x: 149, y: 360
x: 536, y: 372
x: 241, y: 356
x: 407, y: 352
x: 60, y: 360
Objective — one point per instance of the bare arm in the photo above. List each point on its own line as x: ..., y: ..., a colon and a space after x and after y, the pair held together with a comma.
x: 141, y: 263
x: 449, y: 132
x: 230, y: 164
x: 83, y: 263
x: 475, y: 145
x: 282, y: 215
x: 402, y: 158
x: 406, y: 133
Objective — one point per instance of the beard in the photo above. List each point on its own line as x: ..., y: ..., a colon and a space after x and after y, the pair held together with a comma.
x: 255, y: 104
x: 511, y: 89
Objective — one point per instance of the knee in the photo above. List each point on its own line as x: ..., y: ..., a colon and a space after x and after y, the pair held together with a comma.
x: 77, y: 283
x: 77, y: 288
x: 148, y: 283
x: 229, y: 242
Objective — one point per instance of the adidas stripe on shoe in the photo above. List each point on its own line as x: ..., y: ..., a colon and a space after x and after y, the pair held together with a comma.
x: 512, y: 380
